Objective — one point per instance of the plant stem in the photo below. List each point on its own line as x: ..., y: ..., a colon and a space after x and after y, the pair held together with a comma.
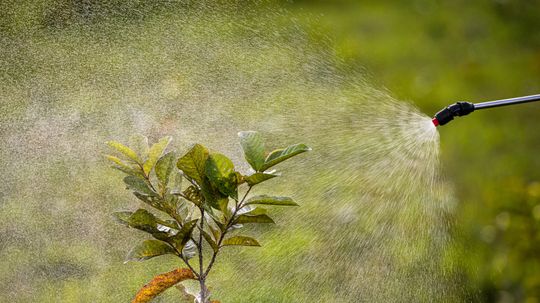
x: 199, y: 245
x: 238, y: 206
x: 202, y: 275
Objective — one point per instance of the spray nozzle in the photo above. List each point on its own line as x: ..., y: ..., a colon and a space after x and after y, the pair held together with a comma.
x: 464, y: 108
x: 457, y: 109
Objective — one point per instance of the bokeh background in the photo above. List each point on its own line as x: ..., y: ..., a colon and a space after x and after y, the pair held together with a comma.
x: 76, y: 73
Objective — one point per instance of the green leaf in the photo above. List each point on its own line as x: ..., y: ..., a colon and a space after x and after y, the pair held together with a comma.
x: 164, y: 167
x: 193, y: 163
x: 210, y: 240
x: 171, y: 205
x: 257, y: 178
x: 154, y: 153
x: 281, y: 155
x: 182, y: 237
x: 269, y: 200
x: 149, y: 249
x: 220, y: 172
x: 117, y: 161
x: 219, y: 222
x: 240, y: 240
x: 153, y: 200
x: 123, y: 167
x: 216, y: 233
x: 177, y: 182
x: 250, y: 218
x: 212, y: 196
x: 143, y: 220
x: 239, y: 178
x: 139, y: 144
x: 122, y: 217
x: 253, y: 146
x: 138, y: 185
x: 129, y: 171
x: 146, y: 221
x: 193, y: 194
x: 126, y: 151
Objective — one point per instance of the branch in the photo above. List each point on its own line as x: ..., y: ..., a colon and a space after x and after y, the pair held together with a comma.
x: 179, y: 254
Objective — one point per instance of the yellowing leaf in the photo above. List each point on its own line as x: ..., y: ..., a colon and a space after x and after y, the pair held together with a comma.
x: 164, y: 167
x: 242, y: 219
x: 154, y: 153
x: 240, y: 240
x: 126, y: 151
x: 160, y: 283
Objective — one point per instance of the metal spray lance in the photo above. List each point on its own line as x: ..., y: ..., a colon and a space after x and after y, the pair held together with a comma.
x: 464, y: 108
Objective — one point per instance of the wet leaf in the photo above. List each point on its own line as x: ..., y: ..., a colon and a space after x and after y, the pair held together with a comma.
x: 149, y: 249
x: 220, y: 172
x: 126, y: 151
x: 253, y: 146
x: 210, y: 240
x: 190, y: 250
x: 240, y: 240
x: 123, y: 167
x: 164, y: 168
x: 152, y: 200
x: 169, y: 204
x: 193, y: 195
x: 216, y: 233
x: 212, y: 196
x: 122, y: 217
x: 138, y: 185
x: 177, y: 184
x: 160, y: 283
x: 281, y: 155
x: 147, y: 222
x: 118, y: 162
x: 154, y: 153
x: 193, y: 163
x: 239, y: 178
x: 219, y: 221
x: 129, y: 171
x: 139, y: 144
x: 270, y: 200
x: 250, y: 218
x: 182, y: 237
x: 143, y: 220
x: 257, y: 178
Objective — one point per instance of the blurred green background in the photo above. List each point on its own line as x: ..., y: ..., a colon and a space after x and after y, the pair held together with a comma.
x: 430, y: 52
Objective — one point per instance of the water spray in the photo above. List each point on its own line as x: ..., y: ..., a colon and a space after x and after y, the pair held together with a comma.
x: 462, y: 108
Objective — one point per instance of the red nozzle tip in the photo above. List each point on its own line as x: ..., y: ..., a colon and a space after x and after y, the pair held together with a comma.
x: 435, y: 122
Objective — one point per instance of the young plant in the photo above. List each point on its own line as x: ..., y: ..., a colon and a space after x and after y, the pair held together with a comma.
x: 204, y: 214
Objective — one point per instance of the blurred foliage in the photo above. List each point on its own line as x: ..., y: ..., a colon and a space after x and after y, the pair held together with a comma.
x: 432, y: 52
x: 437, y: 52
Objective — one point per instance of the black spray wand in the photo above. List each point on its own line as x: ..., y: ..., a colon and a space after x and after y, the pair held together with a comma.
x: 464, y: 108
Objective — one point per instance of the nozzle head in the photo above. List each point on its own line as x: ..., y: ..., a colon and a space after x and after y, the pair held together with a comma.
x: 457, y: 109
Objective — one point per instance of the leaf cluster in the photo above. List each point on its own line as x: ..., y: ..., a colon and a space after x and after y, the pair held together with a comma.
x: 198, y: 198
